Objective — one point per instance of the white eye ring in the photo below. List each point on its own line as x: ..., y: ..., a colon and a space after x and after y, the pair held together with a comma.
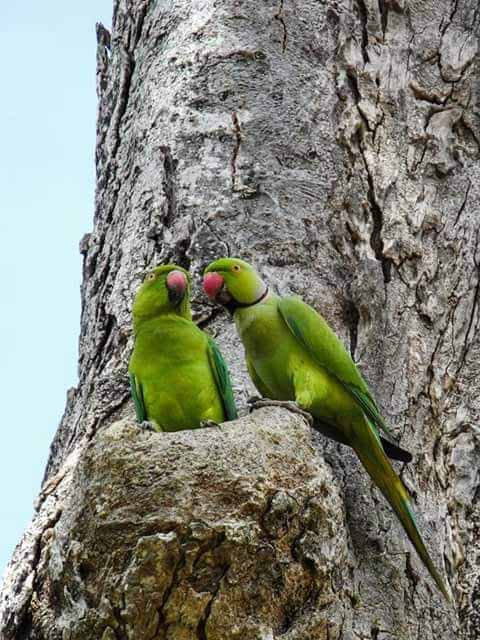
x: 151, y: 276
x: 236, y: 267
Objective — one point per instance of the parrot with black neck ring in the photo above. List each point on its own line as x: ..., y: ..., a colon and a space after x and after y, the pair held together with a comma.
x: 294, y: 358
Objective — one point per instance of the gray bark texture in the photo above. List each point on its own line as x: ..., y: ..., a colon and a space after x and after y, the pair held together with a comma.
x: 336, y: 145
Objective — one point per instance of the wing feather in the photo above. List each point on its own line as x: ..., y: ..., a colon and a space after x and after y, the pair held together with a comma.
x: 137, y: 397
x: 325, y: 347
x: 222, y: 379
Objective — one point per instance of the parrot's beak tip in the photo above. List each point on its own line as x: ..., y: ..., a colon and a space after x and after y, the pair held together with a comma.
x: 212, y: 284
x: 177, y: 285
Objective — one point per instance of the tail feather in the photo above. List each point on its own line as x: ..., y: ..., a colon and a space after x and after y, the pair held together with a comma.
x: 382, y: 473
x: 393, y: 451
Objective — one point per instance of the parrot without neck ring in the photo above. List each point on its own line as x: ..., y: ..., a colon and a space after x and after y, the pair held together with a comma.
x: 178, y: 377
x: 293, y: 355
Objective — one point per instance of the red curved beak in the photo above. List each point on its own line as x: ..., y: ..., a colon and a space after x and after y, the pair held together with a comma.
x: 212, y: 284
x: 177, y: 284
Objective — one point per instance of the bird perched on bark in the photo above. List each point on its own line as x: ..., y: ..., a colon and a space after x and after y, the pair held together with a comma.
x: 178, y: 377
x: 292, y: 355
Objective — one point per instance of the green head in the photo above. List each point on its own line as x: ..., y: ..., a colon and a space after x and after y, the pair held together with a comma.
x: 165, y: 289
x: 233, y: 283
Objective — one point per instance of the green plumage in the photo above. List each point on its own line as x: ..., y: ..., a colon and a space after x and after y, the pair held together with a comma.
x: 314, y: 334
x: 292, y: 354
x: 177, y: 374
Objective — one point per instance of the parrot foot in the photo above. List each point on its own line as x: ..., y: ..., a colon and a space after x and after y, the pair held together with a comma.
x: 146, y: 426
x: 258, y: 403
x: 209, y: 423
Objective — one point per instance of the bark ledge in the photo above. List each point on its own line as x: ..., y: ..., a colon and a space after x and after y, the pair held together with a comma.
x: 235, y: 532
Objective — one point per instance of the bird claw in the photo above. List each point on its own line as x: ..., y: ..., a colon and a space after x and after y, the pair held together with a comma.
x: 259, y: 403
x: 209, y: 423
x: 146, y: 426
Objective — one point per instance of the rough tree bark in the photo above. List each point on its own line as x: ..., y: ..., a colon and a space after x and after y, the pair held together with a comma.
x: 336, y: 145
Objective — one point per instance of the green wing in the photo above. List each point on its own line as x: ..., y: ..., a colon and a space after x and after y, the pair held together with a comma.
x: 137, y: 397
x: 222, y: 378
x: 320, y: 341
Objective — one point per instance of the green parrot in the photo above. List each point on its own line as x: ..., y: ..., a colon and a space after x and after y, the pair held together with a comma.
x: 178, y: 377
x: 293, y: 355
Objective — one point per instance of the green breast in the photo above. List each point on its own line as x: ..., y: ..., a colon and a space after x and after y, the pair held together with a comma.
x: 171, y: 364
x: 270, y: 348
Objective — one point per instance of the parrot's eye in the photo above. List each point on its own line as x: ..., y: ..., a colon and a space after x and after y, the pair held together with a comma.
x: 150, y: 277
x: 236, y: 267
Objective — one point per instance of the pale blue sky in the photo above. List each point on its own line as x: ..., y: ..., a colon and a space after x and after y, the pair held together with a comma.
x: 47, y: 141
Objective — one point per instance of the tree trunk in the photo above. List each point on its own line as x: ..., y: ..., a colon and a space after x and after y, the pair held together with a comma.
x: 336, y: 146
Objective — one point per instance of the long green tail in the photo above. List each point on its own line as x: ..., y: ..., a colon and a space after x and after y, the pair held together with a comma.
x: 373, y: 458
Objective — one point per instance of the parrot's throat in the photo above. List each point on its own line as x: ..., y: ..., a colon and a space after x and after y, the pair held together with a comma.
x: 232, y: 305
